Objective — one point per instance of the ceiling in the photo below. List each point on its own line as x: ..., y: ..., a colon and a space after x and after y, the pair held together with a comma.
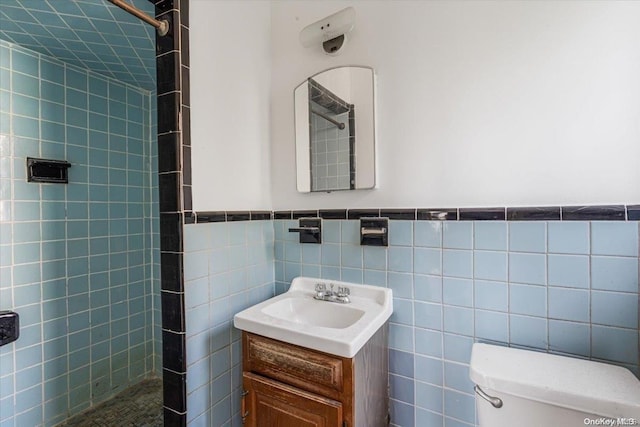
x: 92, y: 34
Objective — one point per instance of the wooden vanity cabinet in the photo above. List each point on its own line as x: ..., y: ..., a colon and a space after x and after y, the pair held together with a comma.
x: 285, y: 385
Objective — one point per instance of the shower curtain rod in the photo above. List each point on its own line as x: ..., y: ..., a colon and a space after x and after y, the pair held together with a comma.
x: 161, y: 26
x: 329, y: 119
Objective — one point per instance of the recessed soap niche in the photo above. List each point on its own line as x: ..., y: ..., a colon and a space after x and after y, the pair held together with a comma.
x: 46, y: 170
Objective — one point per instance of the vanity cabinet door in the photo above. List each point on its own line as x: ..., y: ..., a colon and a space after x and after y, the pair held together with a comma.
x: 270, y: 403
x: 303, y: 368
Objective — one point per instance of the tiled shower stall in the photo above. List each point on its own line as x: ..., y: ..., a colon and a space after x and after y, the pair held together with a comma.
x: 78, y: 262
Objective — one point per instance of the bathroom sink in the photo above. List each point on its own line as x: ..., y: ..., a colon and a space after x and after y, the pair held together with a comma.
x: 297, y: 318
x: 308, y: 312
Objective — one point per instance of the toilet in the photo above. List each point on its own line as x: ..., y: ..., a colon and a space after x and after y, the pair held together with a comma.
x: 530, y: 389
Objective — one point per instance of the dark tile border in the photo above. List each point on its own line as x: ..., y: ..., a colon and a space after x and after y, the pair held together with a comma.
x: 172, y: 316
x: 333, y: 213
x: 171, y: 232
x: 174, y: 419
x: 169, y: 182
x: 406, y: 214
x: 551, y: 213
x: 186, y: 160
x: 169, y: 146
x: 168, y: 109
x: 175, y: 195
x: 304, y: 214
x: 261, y: 215
x: 594, y: 213
x: 173, y: 352
x: 228, y: 216
x: 482, y: 214
x: 437, y: 215
x: 171, y: 272
x: 175, y: 394
x: 166, y: 81
x: 362, y: 213
x: 535, y: 213
x: 283, y: 215
x: 238, y: 216
x: 218, y: 216
x: 633, y: 213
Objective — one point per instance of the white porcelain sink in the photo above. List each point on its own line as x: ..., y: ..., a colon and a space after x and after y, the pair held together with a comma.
x: 308, y: 312
x: 297, y: 318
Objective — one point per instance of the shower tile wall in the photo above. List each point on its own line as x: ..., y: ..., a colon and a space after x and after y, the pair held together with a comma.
x: 330, y: 152
x: 75, y: 260
x: 563, y: 287
x: 152, y: 211
x: 228, y: 266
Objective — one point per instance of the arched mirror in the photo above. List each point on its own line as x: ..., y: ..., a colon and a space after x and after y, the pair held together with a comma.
x: 335, y: 130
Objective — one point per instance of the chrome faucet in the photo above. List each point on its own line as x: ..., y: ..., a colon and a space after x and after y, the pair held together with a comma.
x: 324, y: 294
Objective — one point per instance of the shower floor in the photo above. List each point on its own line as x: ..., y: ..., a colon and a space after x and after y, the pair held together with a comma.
x: 139, y: 405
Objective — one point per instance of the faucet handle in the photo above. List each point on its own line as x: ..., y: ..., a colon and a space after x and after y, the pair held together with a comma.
x: 343, y: 291
x: 321, y: 287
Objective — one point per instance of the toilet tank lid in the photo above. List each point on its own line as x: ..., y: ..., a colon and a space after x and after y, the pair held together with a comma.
x: 592, y: 387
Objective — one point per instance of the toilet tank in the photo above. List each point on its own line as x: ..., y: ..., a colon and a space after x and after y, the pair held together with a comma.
x: 539, y: 389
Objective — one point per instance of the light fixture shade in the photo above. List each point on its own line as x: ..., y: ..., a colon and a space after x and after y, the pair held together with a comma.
x: 328, y: 28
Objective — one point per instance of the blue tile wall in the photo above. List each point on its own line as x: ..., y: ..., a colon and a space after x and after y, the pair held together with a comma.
x: 228, y: 267
x: 151, y: 209
x: 562, y: 287
x: 78, y: 262
x: 91, y: 34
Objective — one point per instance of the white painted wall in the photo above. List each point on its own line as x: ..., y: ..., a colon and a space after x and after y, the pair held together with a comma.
x: 230, y: 80
x: 479, y: 103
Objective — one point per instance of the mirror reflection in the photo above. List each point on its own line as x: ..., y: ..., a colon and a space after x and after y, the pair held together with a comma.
x: 334, y: 121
